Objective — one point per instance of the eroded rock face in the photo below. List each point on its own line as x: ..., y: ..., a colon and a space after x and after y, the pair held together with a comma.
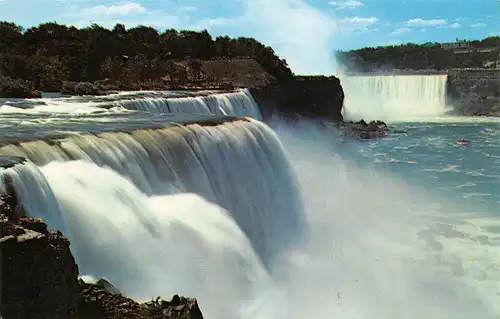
x: 98, y: 302
x: 316, y: 97
x: 39, y: 279
x: 39, y: 274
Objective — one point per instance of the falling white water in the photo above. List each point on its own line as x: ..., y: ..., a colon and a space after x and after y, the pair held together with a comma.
x: 35, y: 194
x: 394, y: 97
x: 239, y: 103
x: 201, y: 160
x: 371, y: 251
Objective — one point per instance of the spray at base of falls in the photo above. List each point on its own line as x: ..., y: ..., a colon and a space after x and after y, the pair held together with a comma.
x: 365, y: 256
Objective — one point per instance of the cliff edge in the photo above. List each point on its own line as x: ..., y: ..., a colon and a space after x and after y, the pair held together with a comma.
x: 319, y: 97
x: 39, y: 279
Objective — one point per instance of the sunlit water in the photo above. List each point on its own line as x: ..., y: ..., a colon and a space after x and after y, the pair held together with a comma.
x: 428, y: 153
x: 403, y: 227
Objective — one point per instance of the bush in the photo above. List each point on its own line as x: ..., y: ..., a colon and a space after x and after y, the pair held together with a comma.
x: 80, y: 88
x: 16, y: 88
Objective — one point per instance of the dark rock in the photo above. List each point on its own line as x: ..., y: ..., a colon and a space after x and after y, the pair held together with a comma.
x: 364, y: 131
x: 39, y: 280
x: 474, y: 92
x: 316, y: 97
x: 96, y: 302
x: 39, y: 274
x: 106, y: 285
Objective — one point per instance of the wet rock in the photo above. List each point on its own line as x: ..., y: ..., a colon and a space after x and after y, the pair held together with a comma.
x: 364, y: 131
x: 96, y: 302
x: 38, y: 271
x: 39, y: 279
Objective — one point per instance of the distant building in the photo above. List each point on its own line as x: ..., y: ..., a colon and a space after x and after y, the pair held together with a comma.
x: 456, y: 45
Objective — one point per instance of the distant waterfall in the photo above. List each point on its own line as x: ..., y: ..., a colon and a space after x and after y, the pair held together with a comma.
x: 237, y: 104
x: 394, y: 97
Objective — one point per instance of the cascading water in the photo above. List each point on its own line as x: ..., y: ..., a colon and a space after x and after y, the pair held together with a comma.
x: 359, y: 261
x: 238, y: 104
x: 394, y: 97
x: 239, y: 165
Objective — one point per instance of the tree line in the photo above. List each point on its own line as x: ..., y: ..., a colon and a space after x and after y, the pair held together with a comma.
x: 46, y: 55
x: 412, y: 56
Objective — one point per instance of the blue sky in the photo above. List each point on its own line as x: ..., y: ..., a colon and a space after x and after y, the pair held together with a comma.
x: 305, y: 32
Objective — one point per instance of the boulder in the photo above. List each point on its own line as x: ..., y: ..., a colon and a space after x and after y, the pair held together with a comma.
x: 364, y: 131
x: 39, y: 278
x: 39, y: 274
x: 97, y: 302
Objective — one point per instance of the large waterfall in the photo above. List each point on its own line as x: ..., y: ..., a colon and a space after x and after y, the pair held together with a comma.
x: 158, y: 203
x: 394, y: 97
x: 238, y: 165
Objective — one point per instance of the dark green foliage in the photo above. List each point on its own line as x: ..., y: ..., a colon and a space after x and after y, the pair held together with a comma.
x: 418, y: 57
x: 80, y: 88
x: 50, y: 53
x: 16, y: 88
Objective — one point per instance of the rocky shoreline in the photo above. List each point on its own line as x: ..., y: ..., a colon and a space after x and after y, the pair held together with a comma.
x: 39, y: 279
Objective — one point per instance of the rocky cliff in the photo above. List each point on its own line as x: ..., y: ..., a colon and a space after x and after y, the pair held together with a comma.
x: 309, y: 96
x: 474, y: 92
x: 39, y: 279
x: 39, y: 274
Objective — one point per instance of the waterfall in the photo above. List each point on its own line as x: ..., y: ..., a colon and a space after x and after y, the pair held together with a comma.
x: 394, y: 97
x: 239, y: 165
x: 208, y: 212
x: 239, y: 103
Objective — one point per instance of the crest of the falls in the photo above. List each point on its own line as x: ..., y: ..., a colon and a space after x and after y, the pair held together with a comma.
x: 394, y: 97
x: 239, y: 165
x: 239, y: 103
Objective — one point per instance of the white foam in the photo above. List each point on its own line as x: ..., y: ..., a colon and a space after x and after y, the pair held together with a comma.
x: 371, y: 250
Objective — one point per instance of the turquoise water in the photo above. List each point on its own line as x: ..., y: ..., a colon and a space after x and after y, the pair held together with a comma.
x: 462, y: 182
x: 428, y: 154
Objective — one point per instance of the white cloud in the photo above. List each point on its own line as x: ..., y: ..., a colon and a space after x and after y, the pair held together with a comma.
x: 357, y: 24
x: 455, y: 25
x: 215, y: 22
x: 418, y: 22
x: 114, y: 10
x: 478, y: 25
x: 342, y: 5
x: 400, y: 31
x: 362, y: 20
x: 130, y: 14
